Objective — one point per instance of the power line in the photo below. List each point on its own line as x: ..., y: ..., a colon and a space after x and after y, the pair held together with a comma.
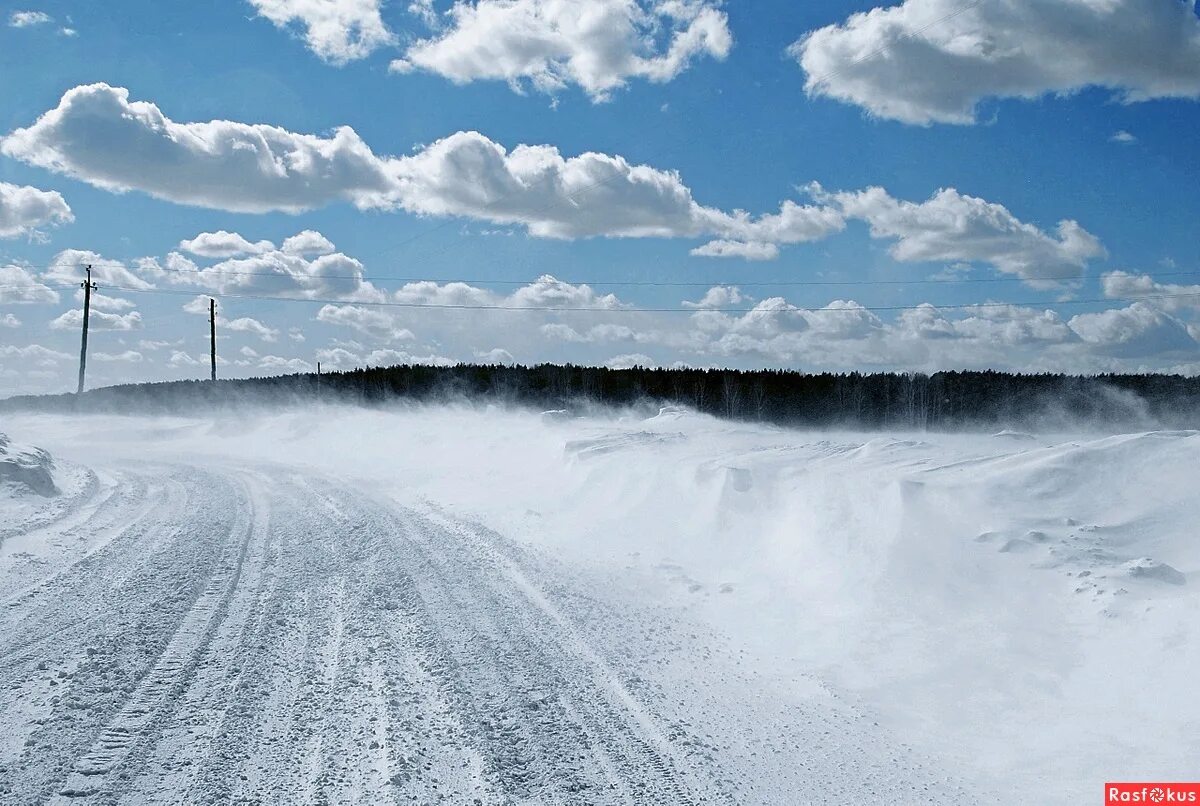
x: 688, y: 310
x: 630, y: 283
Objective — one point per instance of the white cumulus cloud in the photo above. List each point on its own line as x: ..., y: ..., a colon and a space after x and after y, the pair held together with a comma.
x: 1138, y: 330
x: 126, y: 357
x: 223, y: 244
x: 24, y: 209
x: 98, y: 135
x: 597, y: 45
x: 98, y: 320
x: 933, y: 61
x: 338, y: 31
x: 28, y: 19
x: 371, y: 322
x: 1167, y: 296
x: 747, y: 250
x: 952, y: 227
x: 19, y: 285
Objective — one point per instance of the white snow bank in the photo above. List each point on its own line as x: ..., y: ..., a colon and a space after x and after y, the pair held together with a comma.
x: 25, y: 469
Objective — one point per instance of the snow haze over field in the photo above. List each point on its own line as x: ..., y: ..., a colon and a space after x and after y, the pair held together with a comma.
x: 465, y: 603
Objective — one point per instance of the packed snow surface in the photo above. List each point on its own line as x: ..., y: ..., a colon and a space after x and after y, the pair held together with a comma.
x: 487, y: 606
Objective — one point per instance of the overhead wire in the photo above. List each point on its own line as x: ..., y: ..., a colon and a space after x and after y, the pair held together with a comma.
x: 691, y: 308
x: 379, y: 278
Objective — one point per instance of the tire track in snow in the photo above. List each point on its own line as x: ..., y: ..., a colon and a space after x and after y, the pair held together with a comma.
x: 91, y: 636
x: 549, y: 721
x: 141, y: 716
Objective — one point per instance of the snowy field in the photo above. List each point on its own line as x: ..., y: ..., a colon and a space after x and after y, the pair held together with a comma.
x: 490, y: 607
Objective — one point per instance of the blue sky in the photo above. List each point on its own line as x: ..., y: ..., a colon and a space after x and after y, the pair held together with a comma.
x: 1022, y: 113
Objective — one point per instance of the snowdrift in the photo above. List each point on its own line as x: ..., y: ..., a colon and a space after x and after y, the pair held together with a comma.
x: 25, y: 469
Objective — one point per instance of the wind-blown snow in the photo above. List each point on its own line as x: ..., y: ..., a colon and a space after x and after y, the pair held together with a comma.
x: 973, y: 618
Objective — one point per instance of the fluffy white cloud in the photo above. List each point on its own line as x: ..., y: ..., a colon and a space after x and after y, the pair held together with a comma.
x: 590, y: 195
x: 1134, y: 331
x: 32, y: 355
x: 308, y: 242
x: 372, y: 322
x: 843, y: 319
x: 126, y: 357
x: 68, y: 266
x: 18, y: 285
x: 597, y: 45
x: 496, y: 355
x: 275, y: 363
x: 8, y: 320
x: 98, y: 320
x: 1123, y: 137
x: 222, y: 244
x: 23, y: 209
x: 98, y: 135
x: 198, y: 306
x: 720, y: 296
x: 1167, y: 296
x: 28, y: 19
x: 550, y: 292
x: 773, y: 327
x: 932, y: 61
x: 427, y: 292
x: 103, y: 302
x: 953, y: 227
x: 631, y: 360
x: 1008, y: 325
x: 337, y: 31
x: 748, y: 250
x: 180, y: 359
x: 339, y: 358
x: 844, y: 333
x: 607, y: 332
x: 268, y: 270
x: 246, y: 324
x: 925, y: 321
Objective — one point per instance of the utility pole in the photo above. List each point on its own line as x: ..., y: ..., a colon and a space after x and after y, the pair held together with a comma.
x: 88, y: 288
x: 212, y: 335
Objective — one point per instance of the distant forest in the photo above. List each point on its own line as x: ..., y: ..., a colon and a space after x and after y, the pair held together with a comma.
x: 943, y: 400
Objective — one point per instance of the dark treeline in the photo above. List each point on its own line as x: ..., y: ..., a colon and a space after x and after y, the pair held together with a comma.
x: 879, y: 400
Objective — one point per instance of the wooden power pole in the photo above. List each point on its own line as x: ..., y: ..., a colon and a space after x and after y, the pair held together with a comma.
x: 88, y: 288
x: 212, y: 335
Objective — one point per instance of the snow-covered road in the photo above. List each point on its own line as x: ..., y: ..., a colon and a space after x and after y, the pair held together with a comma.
x: 212, y: 634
